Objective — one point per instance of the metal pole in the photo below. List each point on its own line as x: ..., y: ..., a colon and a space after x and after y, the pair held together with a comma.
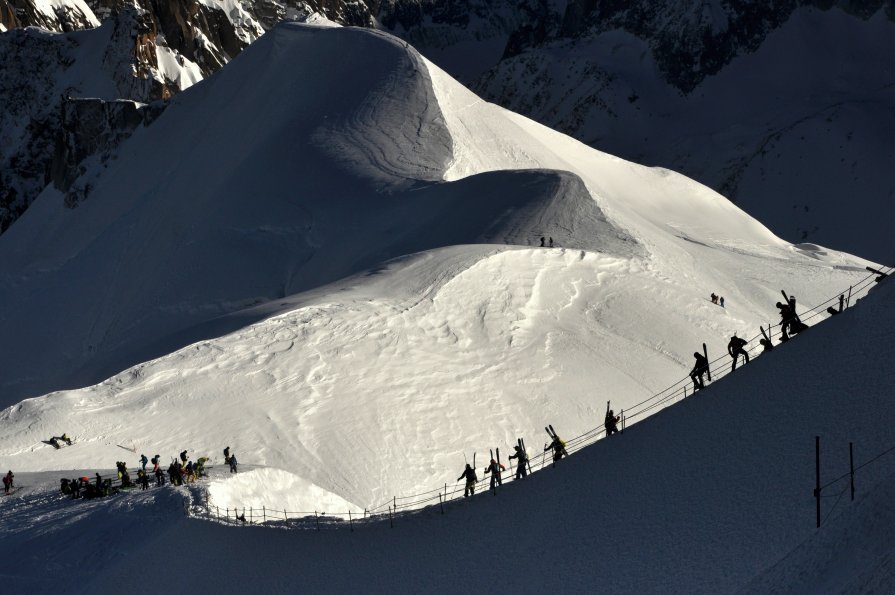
x: 350, y: 522
x: 848, y: 299
x: 391, y: 519
x: 250, y: 516
x: 851, y: 464
x: 263, y: 513
x: 317, y: 520
x: 817, y: 472
x: 441, y: 503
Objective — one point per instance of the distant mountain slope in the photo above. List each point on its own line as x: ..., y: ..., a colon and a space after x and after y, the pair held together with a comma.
x: 755, y: 100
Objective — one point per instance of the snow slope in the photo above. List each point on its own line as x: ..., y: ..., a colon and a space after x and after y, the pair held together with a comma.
x: 711, y: 495
x: 349, y: 288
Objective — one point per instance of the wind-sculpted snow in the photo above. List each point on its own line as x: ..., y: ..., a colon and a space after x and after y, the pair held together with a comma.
x: 711, y: 495
x: 328, y: 257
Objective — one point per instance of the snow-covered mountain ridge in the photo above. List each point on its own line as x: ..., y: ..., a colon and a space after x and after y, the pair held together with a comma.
x: 755, y: 100
x: 711, y: 495
x: 352, y: 281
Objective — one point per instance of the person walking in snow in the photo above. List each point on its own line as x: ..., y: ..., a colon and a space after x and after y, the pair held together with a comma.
x: 542, y: 241
x: 699, y: 368
x: 495, y: 470
x: 233, y: 463
x: 522, y: 460
x: 227, y: 456
x: 714, y: 298
x: 471, y: 478
x: 550, y: 241
x: 721, y: 300
x: 735, y: 349
x: 159, y: 476
x: 183, y: 457
x: 610, y: 422
x: 142, y: 479
x: 8, y: 482
x: 143, y: 461
x: 155, y: 460
x: 558, y: 447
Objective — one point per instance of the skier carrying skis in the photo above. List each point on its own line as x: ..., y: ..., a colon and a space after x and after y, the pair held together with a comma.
x: 735, y: 348
x: 523, y: 459
x: 143, y: 461
x: 471, y: 478
x: 559, y: 449
x: 611, y: 420
x: 700, y: 368
x: 495, y: 470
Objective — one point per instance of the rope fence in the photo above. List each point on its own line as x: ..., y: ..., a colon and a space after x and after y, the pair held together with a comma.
x: 401, y: 506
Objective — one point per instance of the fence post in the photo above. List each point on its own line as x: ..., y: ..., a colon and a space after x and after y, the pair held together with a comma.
x: 250, y: 516
x: 391, y: 518
x: 685, y: 391
x: 817, y: 473
x: 623, y: 421
x: 848, y: 300
x: 285, y: 516
x: 228, y: 515
x: 350, y: 522
x: 317, y: 520
x: 851, y: 465
x: 263, y: 513
x: 441, y: 503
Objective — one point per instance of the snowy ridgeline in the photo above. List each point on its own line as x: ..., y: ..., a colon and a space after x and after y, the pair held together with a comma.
x: 711, y: 495
x: 340, y: 276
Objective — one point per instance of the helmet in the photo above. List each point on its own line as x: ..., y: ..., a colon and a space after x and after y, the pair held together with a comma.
x: 696, y: 354
x: 493, y: 461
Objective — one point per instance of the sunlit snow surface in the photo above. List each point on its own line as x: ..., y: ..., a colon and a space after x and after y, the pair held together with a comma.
x: 339, y: 269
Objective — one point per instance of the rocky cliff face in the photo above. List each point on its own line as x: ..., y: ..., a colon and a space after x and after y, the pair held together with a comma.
x: 70, y: 15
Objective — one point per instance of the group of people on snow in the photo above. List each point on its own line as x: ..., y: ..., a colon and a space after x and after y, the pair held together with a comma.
x: 179, y: 472
x: 790, y: 324
x: 717, y: 299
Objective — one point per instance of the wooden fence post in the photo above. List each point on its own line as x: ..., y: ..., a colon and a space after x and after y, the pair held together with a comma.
x: 391, y: 518
x: 264, y: 513
x: 441, y: 503
x: 317, y: 520
x: 350, y: 522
